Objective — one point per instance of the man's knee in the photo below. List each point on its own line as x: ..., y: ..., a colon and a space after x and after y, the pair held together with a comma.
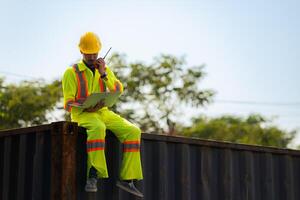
x: 136, y: 132
x: 97, y: 129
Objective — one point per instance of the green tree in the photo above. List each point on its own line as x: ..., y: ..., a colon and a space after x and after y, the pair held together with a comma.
x: 27, y: 103
x: 255, y: 129
x: 155, y: 93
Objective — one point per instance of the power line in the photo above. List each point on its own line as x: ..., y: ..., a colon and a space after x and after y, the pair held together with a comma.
x: 217, y: 101
x: 17, y: 75
x: 258, y: 103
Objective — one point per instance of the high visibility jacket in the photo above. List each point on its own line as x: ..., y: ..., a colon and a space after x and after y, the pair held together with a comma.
x: 79, y: 81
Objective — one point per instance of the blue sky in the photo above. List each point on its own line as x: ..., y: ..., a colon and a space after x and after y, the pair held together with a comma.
x: 251, y: 48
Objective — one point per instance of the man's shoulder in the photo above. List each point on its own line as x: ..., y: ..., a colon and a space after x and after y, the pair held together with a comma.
x: 72, y: 65
x: 69, y: 71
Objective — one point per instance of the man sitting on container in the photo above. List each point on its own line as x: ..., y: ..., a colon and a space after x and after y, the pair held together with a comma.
x: 91, y: 75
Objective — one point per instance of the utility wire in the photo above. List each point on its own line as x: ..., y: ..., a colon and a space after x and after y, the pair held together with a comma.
x: 17, y: 75
x: 216, y: 101
x: 258, y: 103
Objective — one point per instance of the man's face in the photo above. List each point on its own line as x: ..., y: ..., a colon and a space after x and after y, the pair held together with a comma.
x: 90, y: 58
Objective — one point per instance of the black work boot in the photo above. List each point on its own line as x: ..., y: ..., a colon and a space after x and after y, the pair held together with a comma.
x: 91, y: 185
x: 91, y: 182
x: 129, y: 186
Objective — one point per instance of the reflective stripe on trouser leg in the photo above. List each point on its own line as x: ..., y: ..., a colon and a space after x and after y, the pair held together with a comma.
x: 95, y: 142
x: 131, y: 165
x: 95, y: 147
x: 131, y: 146
x: 126, y: 132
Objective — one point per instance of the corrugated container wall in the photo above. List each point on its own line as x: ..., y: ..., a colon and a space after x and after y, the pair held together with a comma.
x: 49, y: 162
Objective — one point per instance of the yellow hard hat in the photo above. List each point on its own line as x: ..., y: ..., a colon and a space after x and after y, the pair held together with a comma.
x: 89, y: 43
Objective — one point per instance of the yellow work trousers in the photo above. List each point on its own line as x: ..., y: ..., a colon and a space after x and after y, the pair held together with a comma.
x: 129, y: 134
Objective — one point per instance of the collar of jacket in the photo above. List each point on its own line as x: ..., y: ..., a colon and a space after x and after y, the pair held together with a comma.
x: 82, y: 66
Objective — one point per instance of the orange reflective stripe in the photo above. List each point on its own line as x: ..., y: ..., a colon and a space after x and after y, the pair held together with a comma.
x: 131, y: 150
x: 117, y: 86
x: 102, y: 85
x: 93, y: 141
x: 67, y: 106
x: 132, y: 142
x: 85, y: 85
x: 131, y: 146
x: 78, y: 86
x: 82, y: 84
x: 95, y: 145
x: 95, y: 149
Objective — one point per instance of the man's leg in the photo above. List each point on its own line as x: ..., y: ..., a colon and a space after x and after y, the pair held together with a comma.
x: 130, y: 135
x: 96, y: 162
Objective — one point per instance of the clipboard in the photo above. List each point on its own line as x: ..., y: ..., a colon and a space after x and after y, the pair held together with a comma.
x: 110, y: 98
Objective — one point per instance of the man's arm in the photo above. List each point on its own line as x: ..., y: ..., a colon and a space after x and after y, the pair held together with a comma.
x: 112, y: 82
x: 108, y: 76
x: 96, y: 107
x: 69, y: 86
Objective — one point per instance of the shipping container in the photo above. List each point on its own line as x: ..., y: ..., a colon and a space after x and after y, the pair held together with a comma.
x: 49, y: 162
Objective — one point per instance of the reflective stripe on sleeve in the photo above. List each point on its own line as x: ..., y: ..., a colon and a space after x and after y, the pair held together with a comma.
x: 118, y: 87
x: 67, y: 106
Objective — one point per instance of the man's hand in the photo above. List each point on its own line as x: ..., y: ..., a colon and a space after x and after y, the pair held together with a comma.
x: 96, y: 107
x: 100, y: 65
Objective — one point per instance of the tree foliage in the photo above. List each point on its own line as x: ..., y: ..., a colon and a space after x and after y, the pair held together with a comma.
x: 154, y: 92
x: 27, y: 103
x: 255, y: 129
x: 152, y: 98
x: 155, y: 95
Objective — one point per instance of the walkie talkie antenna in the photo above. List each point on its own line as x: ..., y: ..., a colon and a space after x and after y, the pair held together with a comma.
x: 107, y: 53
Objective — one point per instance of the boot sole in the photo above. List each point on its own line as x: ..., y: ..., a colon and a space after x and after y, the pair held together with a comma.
x: 130, y: 191
x: 92, y: 190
